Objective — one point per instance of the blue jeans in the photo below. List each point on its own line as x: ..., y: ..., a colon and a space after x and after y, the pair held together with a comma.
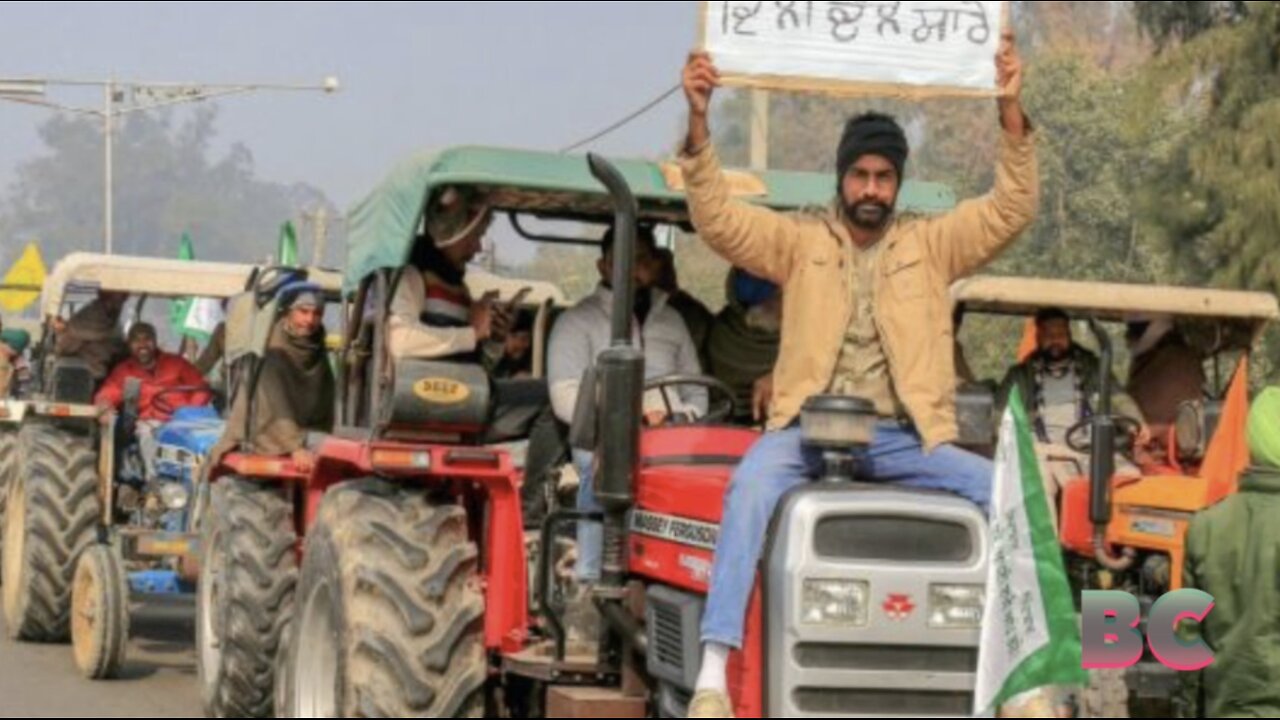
x: 590, y: 534
x: 779, y: 462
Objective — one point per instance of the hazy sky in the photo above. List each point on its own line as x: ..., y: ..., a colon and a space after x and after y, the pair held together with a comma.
x: 414, y: 75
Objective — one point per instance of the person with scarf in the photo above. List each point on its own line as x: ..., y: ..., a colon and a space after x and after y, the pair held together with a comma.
x: 742, y: 344
x: 433, y: 316
x: 292, y: 402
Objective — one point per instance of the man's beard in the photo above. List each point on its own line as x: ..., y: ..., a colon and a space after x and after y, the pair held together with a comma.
x: 868, y: 214
x: 1057, y: 362
x: 643, y: 303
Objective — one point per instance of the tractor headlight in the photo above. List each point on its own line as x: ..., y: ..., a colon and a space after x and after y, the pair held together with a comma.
x: 956, y: 607
x: 174, y: 496
x: 840, y: 603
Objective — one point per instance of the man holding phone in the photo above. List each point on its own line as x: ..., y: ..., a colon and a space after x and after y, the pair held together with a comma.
x: 433, y: 316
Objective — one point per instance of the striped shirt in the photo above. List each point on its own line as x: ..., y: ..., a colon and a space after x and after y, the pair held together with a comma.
x: 430, y: 319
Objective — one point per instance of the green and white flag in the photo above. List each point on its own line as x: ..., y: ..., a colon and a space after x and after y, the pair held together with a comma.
x: 193, y: 317
x: 1030, y: 638
x: 203, y: 317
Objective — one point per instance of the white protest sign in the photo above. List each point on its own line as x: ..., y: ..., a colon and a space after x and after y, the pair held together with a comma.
x: 857, y: 48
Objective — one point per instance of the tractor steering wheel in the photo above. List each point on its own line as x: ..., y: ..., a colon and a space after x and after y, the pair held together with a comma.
x: 718, y: 412
x: 1127, y: 432
x: 161, y: 402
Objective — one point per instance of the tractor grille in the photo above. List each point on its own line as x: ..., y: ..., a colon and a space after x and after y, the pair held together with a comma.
x: 893, y: 539
x: 897, y: 546
x: 668, y: 637
x: 672, y: 619
x: 886, y: 658
x: 879, y: 703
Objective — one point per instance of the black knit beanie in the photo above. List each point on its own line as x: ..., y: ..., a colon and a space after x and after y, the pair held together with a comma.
x: 871, y: 134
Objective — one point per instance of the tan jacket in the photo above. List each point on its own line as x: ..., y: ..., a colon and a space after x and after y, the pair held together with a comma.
x: 805, y: 255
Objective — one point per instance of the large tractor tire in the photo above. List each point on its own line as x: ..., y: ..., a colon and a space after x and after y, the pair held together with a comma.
x: 248, y: 573
x: 8, y: 471
x: 52, y: 517
x: 390, y: 612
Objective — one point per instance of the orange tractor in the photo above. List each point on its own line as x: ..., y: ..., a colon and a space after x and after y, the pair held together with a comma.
x: 1128, y: 531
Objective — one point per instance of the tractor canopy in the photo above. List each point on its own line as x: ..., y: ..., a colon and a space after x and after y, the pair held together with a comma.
x: 384, y: 226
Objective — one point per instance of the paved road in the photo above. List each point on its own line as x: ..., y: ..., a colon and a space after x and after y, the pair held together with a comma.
x: 159, y: 681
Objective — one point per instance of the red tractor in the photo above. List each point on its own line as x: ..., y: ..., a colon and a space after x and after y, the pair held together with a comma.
x: 400, y: 567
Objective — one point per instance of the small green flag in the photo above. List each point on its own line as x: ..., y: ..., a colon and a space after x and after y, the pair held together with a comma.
x: 193, y: 317
x: 178, y: 309
x: 288, y: 255
x: 186, y: 249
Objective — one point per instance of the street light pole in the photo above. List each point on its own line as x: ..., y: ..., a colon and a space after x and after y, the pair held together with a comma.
x: 33, y: 91
x: 108, y: 141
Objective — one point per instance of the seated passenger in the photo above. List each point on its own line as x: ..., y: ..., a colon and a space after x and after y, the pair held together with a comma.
x: 13, y: 345
x: 584, y: 331
x: 1059, y: 385
x: 433, y: 316
x: 93, y: 334
x: 697, y: 318
x: 293, y: 401
x: 159, y: 374
x: 1164, y: 372
x: 742, y: 346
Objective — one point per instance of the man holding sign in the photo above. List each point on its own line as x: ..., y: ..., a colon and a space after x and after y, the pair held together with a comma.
x: 867, y: 313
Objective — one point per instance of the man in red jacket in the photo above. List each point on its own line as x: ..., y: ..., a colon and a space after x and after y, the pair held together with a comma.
x: 159, y: 372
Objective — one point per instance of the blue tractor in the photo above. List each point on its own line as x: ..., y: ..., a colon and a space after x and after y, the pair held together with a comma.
x: 154, y: 494
x: 146, y: 546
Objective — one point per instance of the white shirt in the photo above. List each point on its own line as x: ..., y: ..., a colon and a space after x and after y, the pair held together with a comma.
x: 584, y: 331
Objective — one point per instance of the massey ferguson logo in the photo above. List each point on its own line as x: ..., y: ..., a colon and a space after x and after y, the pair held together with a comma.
x: 899, y: 607
x: 677, y: 530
